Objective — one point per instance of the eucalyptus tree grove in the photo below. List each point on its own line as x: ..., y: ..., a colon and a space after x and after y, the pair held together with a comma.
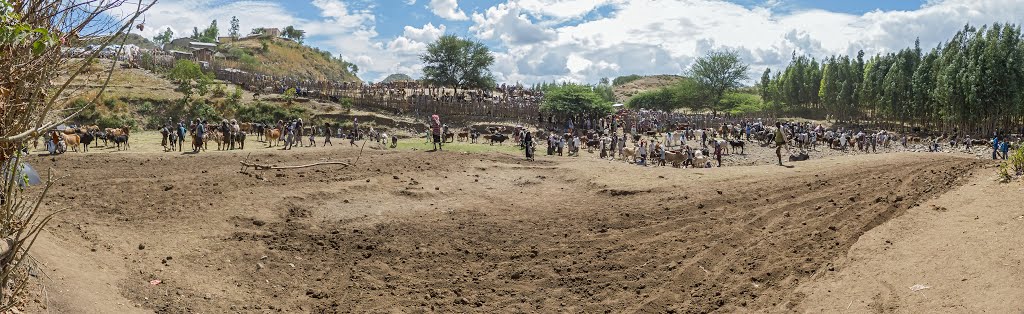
x: 973, y: 83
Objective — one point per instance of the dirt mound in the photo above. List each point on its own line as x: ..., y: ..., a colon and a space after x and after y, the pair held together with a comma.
x: 455, y: 232
x: 625, y: 91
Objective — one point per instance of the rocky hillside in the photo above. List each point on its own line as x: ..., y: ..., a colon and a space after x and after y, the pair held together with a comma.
x: 626, y: 90
x: 282, y: 57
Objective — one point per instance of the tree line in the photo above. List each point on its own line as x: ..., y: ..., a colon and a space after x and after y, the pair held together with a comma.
x: 971, y: 84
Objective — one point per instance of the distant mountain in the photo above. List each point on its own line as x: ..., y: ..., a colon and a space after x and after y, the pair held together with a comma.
x: 397, y: 78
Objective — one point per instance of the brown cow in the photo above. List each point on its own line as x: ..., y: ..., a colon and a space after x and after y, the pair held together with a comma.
x: 273, y: 135
x: 72, y: 141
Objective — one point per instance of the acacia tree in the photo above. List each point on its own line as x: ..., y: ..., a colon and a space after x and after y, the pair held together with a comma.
x: 717, y: 73
x: 458, y: 63
x: 35, y: 95
x: 574, y: 101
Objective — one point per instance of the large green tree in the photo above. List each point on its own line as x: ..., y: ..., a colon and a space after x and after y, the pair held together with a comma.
x: 717, y: 73
x: 573, y: 100
x: 458, y: 63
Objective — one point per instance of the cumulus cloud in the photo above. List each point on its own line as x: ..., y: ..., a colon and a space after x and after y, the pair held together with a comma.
x: 447, y: 9
x: 507, y: 23
x: 665, y: 36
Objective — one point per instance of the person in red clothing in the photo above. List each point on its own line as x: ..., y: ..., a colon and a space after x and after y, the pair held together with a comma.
x: 435, y: 129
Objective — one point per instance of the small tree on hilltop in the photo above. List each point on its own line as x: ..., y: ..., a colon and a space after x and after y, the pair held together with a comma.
x: 458, y: 63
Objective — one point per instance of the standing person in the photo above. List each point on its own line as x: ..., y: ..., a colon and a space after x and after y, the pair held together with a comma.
x: 780, y: 140
x: 551, y: 144
x: 200, y: 131
x: 615, y: 142
x: 327, y: 134
x: 435, y: 129
x: 604, y: 146
x: 995, y: 147
x: 298, y: 131
x: 703, y: 138
x: 661, y: 154
x: 560, y: 144
x: 642, y: 149
x: 1004, y: 146
x: 181, y: 135
x: 576, y: 145
x: 528, y: 141
x: 312, y: 133
x: 718, y: 153
x: 352, y: 138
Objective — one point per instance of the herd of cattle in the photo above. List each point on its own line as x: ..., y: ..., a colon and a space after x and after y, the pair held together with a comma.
x: 72, y: 138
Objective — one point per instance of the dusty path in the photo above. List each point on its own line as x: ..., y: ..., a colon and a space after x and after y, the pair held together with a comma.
x: 458, y: 232
x: 965, y: 246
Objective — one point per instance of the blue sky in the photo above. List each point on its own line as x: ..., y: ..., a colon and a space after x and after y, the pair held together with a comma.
x: 585, y: 40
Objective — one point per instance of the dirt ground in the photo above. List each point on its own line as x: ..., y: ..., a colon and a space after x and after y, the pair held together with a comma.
x: 413, y: 231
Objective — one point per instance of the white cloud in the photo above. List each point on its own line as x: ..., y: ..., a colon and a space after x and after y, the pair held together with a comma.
x: 563, y: 9
x: 584, y: 40
x: 507, y: 23
x: 447, y: 9
x: 665, y: 36
x: 428, y: 33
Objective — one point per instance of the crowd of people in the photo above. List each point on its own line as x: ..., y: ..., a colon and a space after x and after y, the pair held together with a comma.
x: 654, y: 138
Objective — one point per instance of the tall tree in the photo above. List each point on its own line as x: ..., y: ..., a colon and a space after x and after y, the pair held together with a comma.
x: 234, y: 27
x: 164, y: 37
x: 764, y: 85
x: 719, y: 72
x: 458, y: 63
